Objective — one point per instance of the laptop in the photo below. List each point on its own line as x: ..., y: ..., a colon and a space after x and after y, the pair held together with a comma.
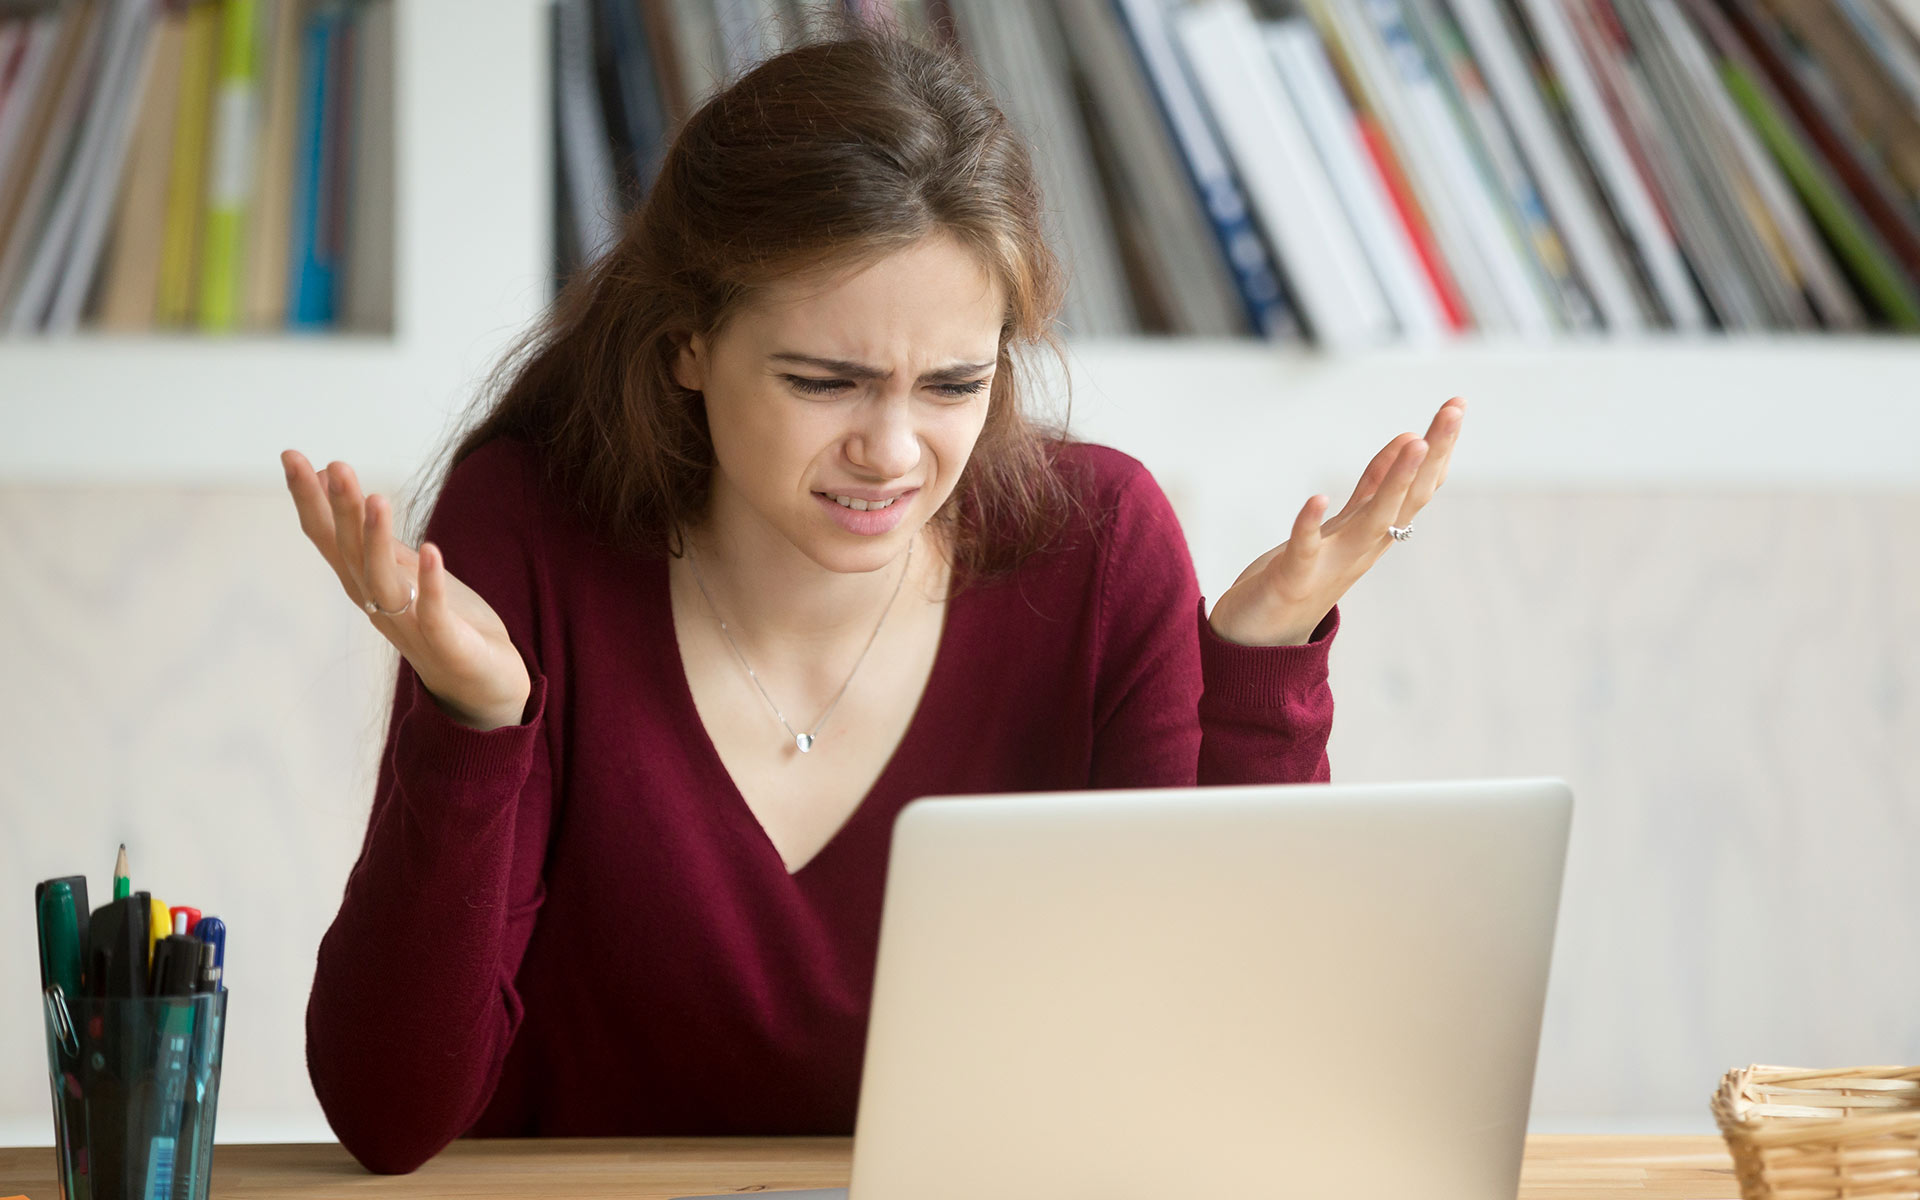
x: 1306, y: 990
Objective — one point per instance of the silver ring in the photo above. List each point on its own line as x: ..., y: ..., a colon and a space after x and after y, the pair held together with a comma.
x: 413, y: 593
x: 1401, y: 533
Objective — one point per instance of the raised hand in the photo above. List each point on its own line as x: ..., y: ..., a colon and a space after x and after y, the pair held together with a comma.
x: 1285, y: 593
x: 454, y: 640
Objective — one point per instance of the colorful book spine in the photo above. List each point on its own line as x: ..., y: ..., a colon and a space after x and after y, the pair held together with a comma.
x: 186, y: 186
x: 310, y: 294
x: 230, y: 172
x: 1220, y: 191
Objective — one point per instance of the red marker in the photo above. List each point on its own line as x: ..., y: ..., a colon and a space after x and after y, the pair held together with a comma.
x: 192, y: 916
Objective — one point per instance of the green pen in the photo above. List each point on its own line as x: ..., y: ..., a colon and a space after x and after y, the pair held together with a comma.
x: 61, y: 959
x: 122, y: 885
x: 60, y: 937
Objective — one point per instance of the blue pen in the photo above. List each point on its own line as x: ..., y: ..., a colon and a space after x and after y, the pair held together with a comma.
x: 213, y: 931
x: 201, y: 1098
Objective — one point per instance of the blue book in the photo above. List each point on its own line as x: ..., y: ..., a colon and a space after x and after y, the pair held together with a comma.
x: 1247, y: 253
x: 311, y: 282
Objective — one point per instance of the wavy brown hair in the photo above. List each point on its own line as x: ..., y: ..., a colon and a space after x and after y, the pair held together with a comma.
x: 855, y: 142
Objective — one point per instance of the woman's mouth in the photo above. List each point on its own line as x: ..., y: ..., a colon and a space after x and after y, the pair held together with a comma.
x: 866, y: 516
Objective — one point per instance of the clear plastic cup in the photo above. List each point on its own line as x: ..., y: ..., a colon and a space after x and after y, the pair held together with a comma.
x: 135, y: 1086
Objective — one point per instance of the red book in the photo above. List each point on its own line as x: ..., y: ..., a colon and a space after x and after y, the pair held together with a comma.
x: 1452, y: 306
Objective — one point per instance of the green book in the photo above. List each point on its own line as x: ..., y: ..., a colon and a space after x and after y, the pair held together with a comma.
x: 230, y: 168
x: 1858, y: 246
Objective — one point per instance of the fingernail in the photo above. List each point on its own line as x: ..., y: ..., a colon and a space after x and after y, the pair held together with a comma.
x: 333, y: 483
x: 288, y: 468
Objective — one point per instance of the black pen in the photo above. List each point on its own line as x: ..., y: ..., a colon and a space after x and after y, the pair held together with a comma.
x: 114, y: 1038
x: 160, y: 1099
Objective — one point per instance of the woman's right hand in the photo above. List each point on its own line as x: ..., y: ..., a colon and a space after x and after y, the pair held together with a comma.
x: 457, y: 644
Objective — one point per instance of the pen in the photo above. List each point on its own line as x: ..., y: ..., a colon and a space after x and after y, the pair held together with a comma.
x: 213, y: 931
x: 114, y: 1037
x: 61, y: 956
x: 201, y: 1099
x: 159, y: 925
x: 161, y: 1097
x: 191, y: 914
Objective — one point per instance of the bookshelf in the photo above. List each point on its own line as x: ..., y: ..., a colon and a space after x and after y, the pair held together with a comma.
x: 474, y: 257
x: 472, y: 262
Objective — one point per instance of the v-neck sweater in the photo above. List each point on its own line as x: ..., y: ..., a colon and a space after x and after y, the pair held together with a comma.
x: 576, y: 926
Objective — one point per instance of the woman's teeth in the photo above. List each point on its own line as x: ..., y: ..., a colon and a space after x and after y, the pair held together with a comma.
x: 860, y: 505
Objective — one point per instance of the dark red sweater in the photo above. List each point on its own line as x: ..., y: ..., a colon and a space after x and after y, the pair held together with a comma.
x: 576, y: 926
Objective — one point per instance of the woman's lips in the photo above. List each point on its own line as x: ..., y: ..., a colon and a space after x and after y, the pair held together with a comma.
x: 873, y: 521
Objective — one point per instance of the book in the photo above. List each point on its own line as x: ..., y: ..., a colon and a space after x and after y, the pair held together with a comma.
x: 1327, y: 272
x: 1588, y: 230
x: 1177, y: 240
x: 186, y: 186
x: 27, y: 191
x: 1719, y: 216
x: 67, y: 255
x: 586, y: 153
x: 311, y: 295
x: 230, y: 175
x: 130, y: 284
x: 1355, y: 176
x: 1407, y: 207
x: 367, y: 280
x: 1214, y: 180
x: 1807, y: 258
x: 1821, y: 121
x: 266, y: 260
x: 1621, y: 178
x: 1019, y: 51
x: 1867, y: 258
x: 1497, y: 161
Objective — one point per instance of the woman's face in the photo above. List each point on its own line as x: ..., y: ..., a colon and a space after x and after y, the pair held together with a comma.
x: 843, y: 412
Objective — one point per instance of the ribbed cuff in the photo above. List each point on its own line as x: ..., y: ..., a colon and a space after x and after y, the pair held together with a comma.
x: 1263, y: 676
x: 428, y: 737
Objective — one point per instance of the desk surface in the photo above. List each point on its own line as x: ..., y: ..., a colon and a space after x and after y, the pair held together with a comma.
x: 1558, y: 1167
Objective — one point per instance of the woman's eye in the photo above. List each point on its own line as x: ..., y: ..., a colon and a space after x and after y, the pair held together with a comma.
x: 815, y: 386
x: 819, y: 387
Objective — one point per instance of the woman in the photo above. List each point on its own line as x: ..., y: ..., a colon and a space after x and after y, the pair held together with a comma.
x: 756, y: 546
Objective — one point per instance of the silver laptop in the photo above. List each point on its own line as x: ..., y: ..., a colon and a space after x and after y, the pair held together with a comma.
x: 1305, y: 990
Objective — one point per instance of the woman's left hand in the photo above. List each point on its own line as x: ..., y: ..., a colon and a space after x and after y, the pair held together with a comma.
x: 1284, y: 595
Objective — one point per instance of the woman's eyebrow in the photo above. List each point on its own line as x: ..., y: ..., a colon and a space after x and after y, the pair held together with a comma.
x: 858, y: 370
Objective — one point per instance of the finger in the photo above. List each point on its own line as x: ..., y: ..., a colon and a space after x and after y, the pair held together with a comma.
x: 1306, y: 537
x: 1371, y: 477
x: 1385, y: 506
x: 388, y: 584
x: 315, y: 508
x: 431, y: 612
x: 349, y: 524
x: 1433, y: 471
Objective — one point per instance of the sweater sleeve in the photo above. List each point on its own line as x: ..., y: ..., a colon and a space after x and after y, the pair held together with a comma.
x: 413, y: 1003
x: 1176, y: 704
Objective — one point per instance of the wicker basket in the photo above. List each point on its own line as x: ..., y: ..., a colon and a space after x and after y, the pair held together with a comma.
x: 1822, y: 1135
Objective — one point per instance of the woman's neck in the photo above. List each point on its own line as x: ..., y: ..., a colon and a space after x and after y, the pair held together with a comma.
x: 774, y: 597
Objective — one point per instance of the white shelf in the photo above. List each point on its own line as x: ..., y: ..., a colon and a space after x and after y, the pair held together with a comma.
x: 1685, y: 413
x: 472, y: 155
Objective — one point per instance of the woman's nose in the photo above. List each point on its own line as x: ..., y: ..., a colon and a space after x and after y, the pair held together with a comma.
x: 885, y: 442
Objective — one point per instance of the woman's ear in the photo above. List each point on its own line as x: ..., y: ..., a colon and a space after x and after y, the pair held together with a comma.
x: 689, y: 363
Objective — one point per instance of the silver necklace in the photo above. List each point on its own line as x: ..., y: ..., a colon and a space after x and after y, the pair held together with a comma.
x: 804, y: 741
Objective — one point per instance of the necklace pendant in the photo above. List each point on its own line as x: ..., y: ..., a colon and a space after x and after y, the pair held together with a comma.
x: 804, y: 741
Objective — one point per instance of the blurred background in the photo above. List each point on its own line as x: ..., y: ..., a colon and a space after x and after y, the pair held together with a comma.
x: 1668, y: 249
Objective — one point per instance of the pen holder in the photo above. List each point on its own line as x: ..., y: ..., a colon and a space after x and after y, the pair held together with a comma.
x: 135, y: 1087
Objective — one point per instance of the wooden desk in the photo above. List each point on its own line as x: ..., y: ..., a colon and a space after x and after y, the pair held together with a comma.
x: 1558, y: 1167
